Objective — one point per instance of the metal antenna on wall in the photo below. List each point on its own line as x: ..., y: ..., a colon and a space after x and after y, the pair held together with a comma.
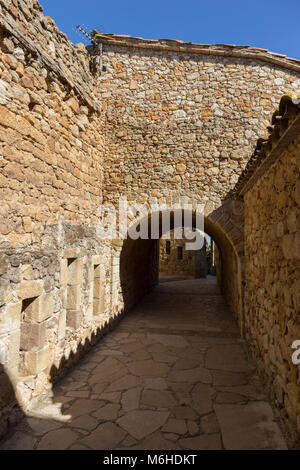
x: 98, y: 45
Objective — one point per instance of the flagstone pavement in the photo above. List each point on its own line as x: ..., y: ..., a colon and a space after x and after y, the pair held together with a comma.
x: 174, y: 374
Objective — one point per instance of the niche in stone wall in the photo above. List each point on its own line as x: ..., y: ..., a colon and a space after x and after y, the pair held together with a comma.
x: 34, y: 352
x: 74, y: 292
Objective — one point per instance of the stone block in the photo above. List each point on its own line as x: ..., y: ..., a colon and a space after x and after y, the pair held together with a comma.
x: 63, y: 271
x: 73, y: 298
x: 64, y: 296
x: 33, y: 335
x: 62, y: 325
x: 98, y: 306
x: 3, y: 264
x: 26, y: 272
x: 40, y: 309
x: 29, y: 289
x: 74, y: 318
x: 37, y: 361
x: 5, y: 291
x: 98, y: 289
x: 10, y: 318
x: 13, y: 353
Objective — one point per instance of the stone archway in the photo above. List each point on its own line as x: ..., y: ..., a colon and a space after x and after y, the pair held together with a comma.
x: 138, y: 259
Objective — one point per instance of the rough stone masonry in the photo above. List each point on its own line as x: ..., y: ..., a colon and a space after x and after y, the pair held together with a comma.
x: 167, y: 121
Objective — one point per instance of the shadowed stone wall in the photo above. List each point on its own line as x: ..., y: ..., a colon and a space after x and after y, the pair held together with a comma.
x: 272, y: 262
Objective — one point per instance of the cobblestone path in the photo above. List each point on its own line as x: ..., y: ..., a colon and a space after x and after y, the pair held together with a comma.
x: 173, y: 375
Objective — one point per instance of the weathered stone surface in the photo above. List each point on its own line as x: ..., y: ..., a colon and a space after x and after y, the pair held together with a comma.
x: 157, y: 398
x: 177, y: 426
x: 227, y: 357
x: 30, y: 289
x: 124, y: 383
x: 36, y: 361
x: 141, y: 423
x: 83, y: 406
x: 148, y: 368
x: 59, y: 439
x: 106, y: 436
x: 243, y: 429
x: 131, y: 398
x: 108, y: 412
x: 204, y: 442
x: 198, y: 374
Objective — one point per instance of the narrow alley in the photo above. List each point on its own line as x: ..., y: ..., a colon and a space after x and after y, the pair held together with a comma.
x: 174, y: 374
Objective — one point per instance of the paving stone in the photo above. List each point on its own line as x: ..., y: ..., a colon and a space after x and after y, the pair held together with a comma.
x: 78, y: 447
x: 209, y: 424
x: 185, y: 363
x: 198, y: 374
x: 177, y: 426
x: 59, y: 439
x: 203, y: 442
x: 79, y: 394
x: 250, y: 391
x: 126, y: 382
x: 83, y: 406
x: 99, y: 387
x: 114, y: 397
x: 41, y: 426
x: 140, y: 423
x: 84, y: 422
x: 158, y: 398
x: 108, y: 412
x: 170, y: 436
x: 129, y: 441
x: 222, y: 377
x: 157, y: 442
x: 170, y: 340
x: 193, y: 427
x: 163, y: 357
x: 131, y: 399
x: 140, y: 355
x: 155, y: 383
x: 229, y: 357
x: 184, y: 412
x: 226, y: 397
x: 249, y: 427
x: 106, y: 437
x: 202, y: 398
x: 148, y: 368
x: 131, y: 347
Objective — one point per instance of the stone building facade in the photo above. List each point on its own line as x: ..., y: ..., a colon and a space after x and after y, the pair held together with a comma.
x: 167, y: 122
x: 176, y: 259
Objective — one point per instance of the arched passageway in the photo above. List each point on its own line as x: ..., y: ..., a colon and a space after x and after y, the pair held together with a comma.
x: 139, y: 263
x: 175, y: 374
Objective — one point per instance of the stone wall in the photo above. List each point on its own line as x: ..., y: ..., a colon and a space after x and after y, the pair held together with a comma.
x: 272, y: 264
x: 180, y: 121
x: 55, y: 274
x: 171, y: 263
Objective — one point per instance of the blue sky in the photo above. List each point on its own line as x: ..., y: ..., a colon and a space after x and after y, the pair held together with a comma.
x: 270, y: 24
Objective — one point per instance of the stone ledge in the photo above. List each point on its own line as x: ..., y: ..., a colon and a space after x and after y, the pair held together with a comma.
x: 223, y: 50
